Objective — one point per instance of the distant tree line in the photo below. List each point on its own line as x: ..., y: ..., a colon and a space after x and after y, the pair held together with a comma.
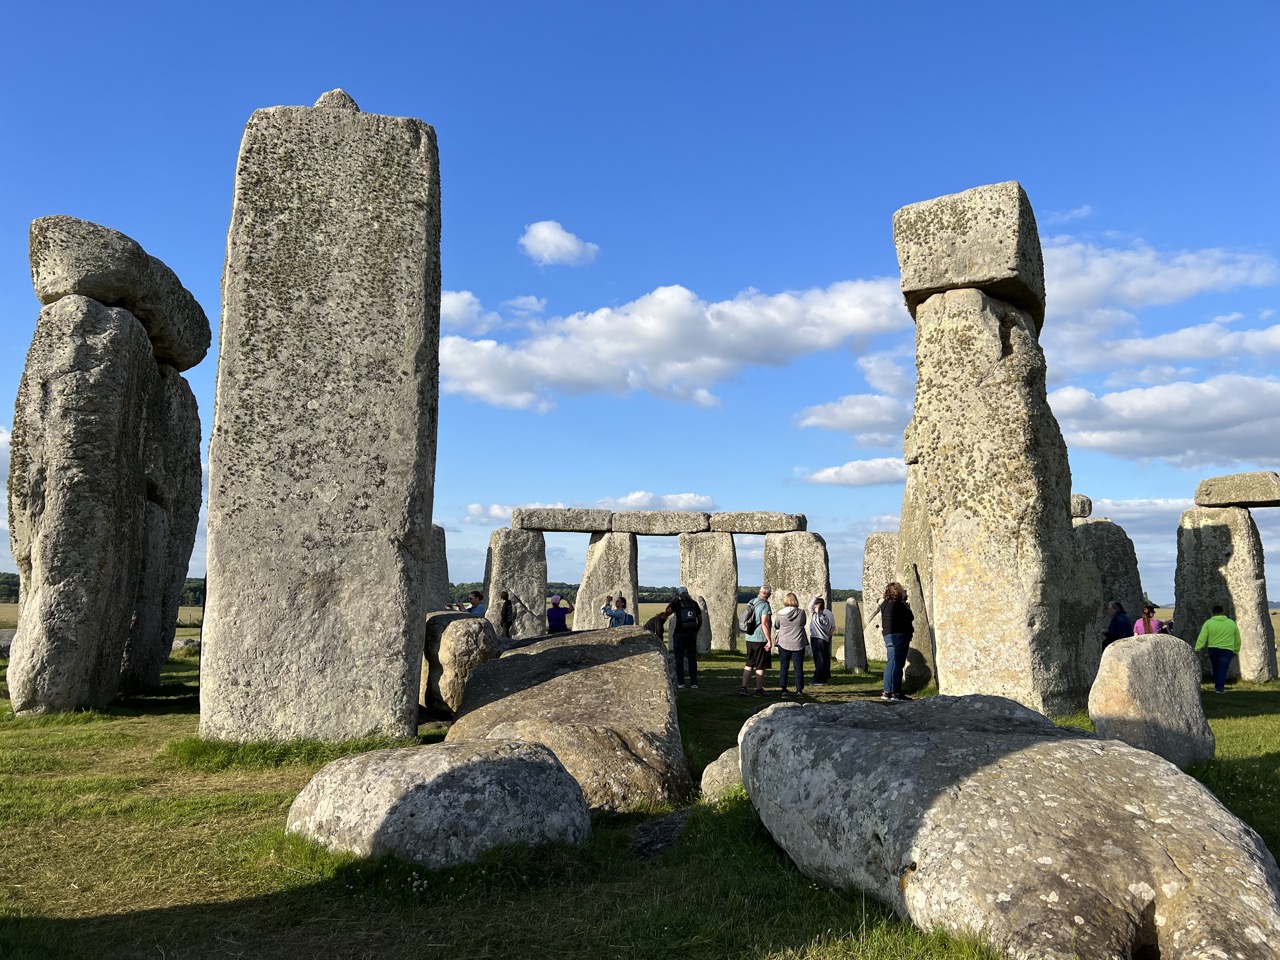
x: 8, y: 588
x: 192, y: 592
x: 459, y: 591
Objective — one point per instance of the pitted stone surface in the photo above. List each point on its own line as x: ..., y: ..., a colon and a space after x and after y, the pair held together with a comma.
x: 660, y: 523
x: 879, y: 559
x: 797, y: 562
x: 456, y: 644
x: 709, y: 568
x: 721, y: 775
x: 604, y: 701
x: 1220, y: 561
x: 1104, y: 544
x: 984, y: 238
x: 1147, y: 693
x: 611, y: 570
x: 322, y: 457
x: 561, y: 520
x: 517, y: 563
x: 976, y: 815
x: 1081, y: 506
x: 439, y: 593
x: 758, y: 521
x: 913, y: 568
x: 1258, y: 489
x: 76, y: 257
x: 855, y: 645
x: 442, y: 804
x: 337, y: 99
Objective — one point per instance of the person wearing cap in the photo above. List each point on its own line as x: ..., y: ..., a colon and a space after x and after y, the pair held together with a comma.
x: 687, y: 615
x: 822, y: 627
x: 759, y: 643
x: 557, y: 614
x: 618, y: 616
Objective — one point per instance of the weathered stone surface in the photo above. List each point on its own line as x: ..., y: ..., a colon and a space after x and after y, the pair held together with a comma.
x: 709, y: 568
x: 517, y: 563
x: 439, y: 593
x: 855, y: 645
x: 604, y: 701
x: 1107, y: 547
x: 322, y: 458
x: 879, y: 558
x: 1006, y: 568
x: 984, y: 239
x: 721, y: 775
x: 1220, y: 561
x: 976, y: 815
x: 336, y: 99
x: 1081, y: 506
x: 660, y: 523
x: 561, y: 520
x: 1258, y: 489
x: 456, y: 644
x: 77, y: 502
x: 611, y: 570
x: 75, y: 257
x: 442, y: 804
x: 757, y: 521
x: 1147, y: 693
x: 797, y: 562
x: 913, y: 568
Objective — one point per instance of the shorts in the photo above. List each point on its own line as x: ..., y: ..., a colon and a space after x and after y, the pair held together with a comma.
x: 758, y: 658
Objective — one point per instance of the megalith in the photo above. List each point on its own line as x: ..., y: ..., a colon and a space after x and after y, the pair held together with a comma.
x: 1081, y: 506
x: 1258, y: 489
x: 1106, y: 546
x: 1220, y: 562
x: 855, y: 646
x: 797, y: 562
x: 913, y: 568
x: 611, y: 570
x: 439, y: 592
x: 517, y: 563
x: 709, y: 568
x: 322, y: 457
x: 879, y: 560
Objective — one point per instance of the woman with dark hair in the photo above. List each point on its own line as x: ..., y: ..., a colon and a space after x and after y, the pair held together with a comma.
x: 1148, y: 622
x: 1118, y: 627
x: 897, y: 622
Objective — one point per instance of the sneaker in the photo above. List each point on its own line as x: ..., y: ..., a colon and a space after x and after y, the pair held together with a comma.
x: 693, y: 686
x: 679, y: 686
x: 785, y: 692
x: 901, y: 698
x: 887, y: 697
x: 759, y: 693
x: 744, y: 692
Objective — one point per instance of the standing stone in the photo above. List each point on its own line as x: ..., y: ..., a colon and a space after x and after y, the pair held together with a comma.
x: 879, y: 559
x: 913, y: 568
x: 611, y: 570
x: 1107, y: 547
x: 322, y: 458
x: 709, y: 568
x: 439, y: 593
x: 1081, y: 506
x: 1258, y: 489
x: 797, y: 562
x: 1220, y: 562
x: 517, y: 563
x: 855, y: 645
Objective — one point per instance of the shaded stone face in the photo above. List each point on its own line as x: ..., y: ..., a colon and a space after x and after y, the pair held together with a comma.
x: 1259, y: 489
x: 611, y: 570
x: 709, y: 568
x: 855, y: 647
x: 879, y: 559
x: 438, y: 592
x: 517, y: 563
x: 1108, y: 548
x: 797, y: 562
x: 561, y: 520
x: 322, y: 457
x: 758, y: 521
x: 1081, y: 506
x: 456, y: 644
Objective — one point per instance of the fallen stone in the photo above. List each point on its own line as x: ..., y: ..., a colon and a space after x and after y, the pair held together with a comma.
x: 1081, y: 506
x: 561, y: 520
x: 854, y: 652
x: 1107, y: 547
x: 1258, y: 489
x: 797, y: 563
x: 721, y: 775
x: 757, y: 521
x: 879, y: 558
x: 457, y: 643
x: 611, y: 570
x: 439, y: 593
x: 442, y: 804
x: 517, y: 563
x: 709, y: 569
x: 661, y: 834
x: 660, y: 523
x: 1147, y: 693
x: 978, y: 816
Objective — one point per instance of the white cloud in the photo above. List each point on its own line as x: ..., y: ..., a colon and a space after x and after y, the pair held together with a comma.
x: 869, y: 417
x: 488, y: 514
x: 1078, y: 213
x: 885, y: 373
x: 546, y: 242
x: 526, y: 306
x: 644, y: 500
x: 461, y: 310
x: 862, y: 473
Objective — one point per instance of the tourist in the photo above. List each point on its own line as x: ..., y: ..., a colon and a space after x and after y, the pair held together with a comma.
x: 477, y: 607
x: 557, y: 614
x: 897, y: 622
x: 1118, y: 627
x: 1148, y: 622
x: 789, y: 635
x: 618, y: 616
x: 759, y: 642
x: 506, y: 615
x: 822, y: 627
x: 657, y: 624
x: 687, y: 615
x: 1221, y: 637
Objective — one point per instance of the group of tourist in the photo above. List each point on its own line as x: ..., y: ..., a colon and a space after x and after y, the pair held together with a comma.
x: 791, y: 631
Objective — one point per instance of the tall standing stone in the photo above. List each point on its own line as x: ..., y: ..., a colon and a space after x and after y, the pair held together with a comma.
x: 611, y: 570
x: 322, y: 457
x: 709, y: 568
x: 517, y: 563
x: 913, y: 568
x: 855, y: 646
x: 1107, y: 547
x: 797, y: 562
x: 439, y: 593
x: 879, y: 559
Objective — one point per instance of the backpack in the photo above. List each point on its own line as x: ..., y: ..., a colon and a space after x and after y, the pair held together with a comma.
x: 688, y: 614
x: 749, y: 621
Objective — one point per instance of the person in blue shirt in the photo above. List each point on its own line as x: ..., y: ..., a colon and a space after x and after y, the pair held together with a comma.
x: 618, y: 616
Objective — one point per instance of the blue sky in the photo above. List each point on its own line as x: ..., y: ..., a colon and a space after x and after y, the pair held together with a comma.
x: 667, y: 227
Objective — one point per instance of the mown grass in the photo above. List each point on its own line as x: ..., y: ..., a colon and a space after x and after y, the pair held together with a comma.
x: 122, y: 835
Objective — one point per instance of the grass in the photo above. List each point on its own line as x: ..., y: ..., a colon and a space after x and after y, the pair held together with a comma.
x: 123, y: 835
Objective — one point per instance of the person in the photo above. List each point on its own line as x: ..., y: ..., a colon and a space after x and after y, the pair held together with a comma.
x: 897, y: 622
x: 1221, y: 637
x: 1148, y: 622
x: 477, y: 607
x: 556, y: 614
x: 1118, y: 627
x: 506, y: 615
x: 789, y: 636
x: 684, y: 636
x: 657, y: 624
x: 618, y: 616
x: 822, y: 627
x: 759, y: 643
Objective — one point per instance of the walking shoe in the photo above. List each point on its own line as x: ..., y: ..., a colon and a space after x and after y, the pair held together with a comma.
x: 759, y: 692
x: 785, y: 692
x: 679, y: 686
x: 901, y: 698
x: 693, y: 686
x: 887, y: 697
x: 744, y: 692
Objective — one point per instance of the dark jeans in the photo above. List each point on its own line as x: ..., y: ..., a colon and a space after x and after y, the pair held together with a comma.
x: 785, y: 659
x: 1221, y: 661
x: 821, y: 659
x: 684, y: 646
x: 896, y: 646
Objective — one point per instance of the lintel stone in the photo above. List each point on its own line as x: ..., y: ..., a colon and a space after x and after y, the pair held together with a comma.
x: 561, y: 520
x: 758, y: 521
x: 661, y: 523
x: 1258, y: 489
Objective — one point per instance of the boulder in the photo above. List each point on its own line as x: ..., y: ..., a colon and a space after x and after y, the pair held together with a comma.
x: 1106, y: 546
x: 442, y: 804
x: 611, y: 570
x: 457, y: 643
x: 660, y: 523
x: 757, y: 521
x: 561, y: 520
x: 879, y: 559
x: 439, y: 593
x: 1081, y: 506
x: 721, y: 775
x: 1258, y: 489
x: 1147, y: 693
x: 517, y: 563
x: 604, y: 701
x: 855, y: 648
x: 978, y: 816
x: 709, y: 568
x: 797, y: 563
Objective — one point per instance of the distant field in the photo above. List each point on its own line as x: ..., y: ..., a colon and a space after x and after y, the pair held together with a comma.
x: 8, y: 615
x: 187, y: 616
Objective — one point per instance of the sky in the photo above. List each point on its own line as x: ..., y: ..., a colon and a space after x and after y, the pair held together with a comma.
x: 667, y: 231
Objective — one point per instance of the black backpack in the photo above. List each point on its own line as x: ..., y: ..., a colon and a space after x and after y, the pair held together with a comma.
x: 688, y: 614
x: 749, y: 622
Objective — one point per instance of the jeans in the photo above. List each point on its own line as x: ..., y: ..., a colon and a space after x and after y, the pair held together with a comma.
x: 684, y: 646
x: 1220, y: 659
x: 821, y: 659
x: 896, y: 646
x: 785, y: 659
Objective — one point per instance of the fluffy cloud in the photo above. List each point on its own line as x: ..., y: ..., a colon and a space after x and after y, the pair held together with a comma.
x: 487, y: 514
x: 862, y: 473
x: 526, y: 306
x: 461, y: 310
x: 869, y: 417
x: 546, y: 242
x: 1066, y: 216
x: 644, y: 500
x: 888, y: 372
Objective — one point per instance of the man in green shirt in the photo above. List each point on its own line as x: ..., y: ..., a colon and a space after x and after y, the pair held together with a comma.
x: 1221, y: 637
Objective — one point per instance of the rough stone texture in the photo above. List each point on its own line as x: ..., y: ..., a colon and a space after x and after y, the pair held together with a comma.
x: 984, y: 238
x: 913, y: 568
x: 976, y: 815
x: 336, y: 99
x: 1107, y: 547
x: 704, y: 633
x: 660, y: 523
x: 439, y: 593
x: 855, y: 644
x: 758, y: 521
x: 1006, y: 568
x: 1220, y: 561
x: 721, y: 775
x: 1258, y: 489
x: 709, y: 568
x: 561, y: 520
x: 322, y: 458
x: 456, y: 644
x: 76, y: 257
x: 77, y: 503
x: 442, y: 804
x: 879, y: 557
x: 1081, y: 506
x: 1147, y: 693
x: 604, y: 701
x: 797, y: 562
x: 611, y: 570
x: 517, y: 563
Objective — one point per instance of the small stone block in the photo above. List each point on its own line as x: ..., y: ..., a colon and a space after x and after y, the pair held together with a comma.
x: 1081, y: 506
